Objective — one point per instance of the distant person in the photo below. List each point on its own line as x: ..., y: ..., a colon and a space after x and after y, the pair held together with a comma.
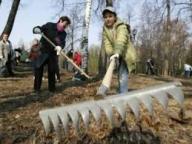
x: 77, y: 59
x: 150, y: 67
x: 187, y: 70
x: 18, y: 52
x: 117, y: 44
x: 34, y: 53
x: 56, y: 33
x: 6, y: 56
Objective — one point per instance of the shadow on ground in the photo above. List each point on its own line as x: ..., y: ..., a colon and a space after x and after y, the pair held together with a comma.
x: 22, y: 99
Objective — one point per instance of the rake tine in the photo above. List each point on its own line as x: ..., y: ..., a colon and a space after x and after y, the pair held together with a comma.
x: 162, y: 98
x: 54, y: 119
x: 45, y: 120
x: 147, y: 101
x: 73, y: 114
x: 134, y: 105
x: 84, y: 112
x: 177, y: 94
x: 120, y: 107
x: 106, y: 106
x: 94, y: 110
x: 64, y: 119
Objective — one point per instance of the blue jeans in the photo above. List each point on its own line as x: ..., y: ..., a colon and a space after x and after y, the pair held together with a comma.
x: 123, y: 76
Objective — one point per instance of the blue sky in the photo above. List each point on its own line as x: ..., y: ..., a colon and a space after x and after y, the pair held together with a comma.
x: 38, y: 12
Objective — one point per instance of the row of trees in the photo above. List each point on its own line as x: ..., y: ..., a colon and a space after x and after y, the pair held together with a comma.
x: 166, y: 38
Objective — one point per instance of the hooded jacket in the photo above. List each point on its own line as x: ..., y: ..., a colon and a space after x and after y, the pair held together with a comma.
x: 117, y: 41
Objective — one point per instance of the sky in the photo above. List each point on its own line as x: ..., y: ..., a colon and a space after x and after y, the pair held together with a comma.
x: 38, y: 12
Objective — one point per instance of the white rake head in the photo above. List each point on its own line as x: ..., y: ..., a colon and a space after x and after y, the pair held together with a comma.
x: 72, y: 113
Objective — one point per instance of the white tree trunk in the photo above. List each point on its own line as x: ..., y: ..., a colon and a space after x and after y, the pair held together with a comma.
x: 87, y: 15
x: 84, y: 43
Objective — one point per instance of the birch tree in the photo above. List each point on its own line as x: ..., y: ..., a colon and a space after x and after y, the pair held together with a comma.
x: 84, y: 42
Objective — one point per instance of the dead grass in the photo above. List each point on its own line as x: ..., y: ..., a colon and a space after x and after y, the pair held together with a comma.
x: 20, y: 123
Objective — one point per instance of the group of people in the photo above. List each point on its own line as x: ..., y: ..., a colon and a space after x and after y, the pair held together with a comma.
x: 117, y: 43
x: 116, y: 40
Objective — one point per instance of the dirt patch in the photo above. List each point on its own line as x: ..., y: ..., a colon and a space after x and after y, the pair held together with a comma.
x: 20, y: 122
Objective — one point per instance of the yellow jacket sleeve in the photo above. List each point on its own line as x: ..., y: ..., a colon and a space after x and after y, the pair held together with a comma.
x: 122, y: 39
x: 107, y: 44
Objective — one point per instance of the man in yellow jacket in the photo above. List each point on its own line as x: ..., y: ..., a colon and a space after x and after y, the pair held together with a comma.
x: 117, y: 44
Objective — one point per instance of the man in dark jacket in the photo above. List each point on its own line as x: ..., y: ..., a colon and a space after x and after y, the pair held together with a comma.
x: 56, y: 33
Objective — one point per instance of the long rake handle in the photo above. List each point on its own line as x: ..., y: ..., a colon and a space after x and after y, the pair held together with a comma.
x: 65, y: 56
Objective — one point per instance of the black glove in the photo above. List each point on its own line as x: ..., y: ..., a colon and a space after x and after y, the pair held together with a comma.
x: 37, y: 30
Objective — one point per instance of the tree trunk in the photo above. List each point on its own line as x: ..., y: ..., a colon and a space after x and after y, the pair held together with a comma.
x: 102, y: 55
x: 109, y: 2
x: 11, y: 18
x: 166, y: 62
x: 84, y: 43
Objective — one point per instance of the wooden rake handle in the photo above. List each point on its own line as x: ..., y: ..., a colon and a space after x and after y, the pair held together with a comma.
x: 65, y: 56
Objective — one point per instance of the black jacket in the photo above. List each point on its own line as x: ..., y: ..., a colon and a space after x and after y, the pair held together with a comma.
x: 58, y: 38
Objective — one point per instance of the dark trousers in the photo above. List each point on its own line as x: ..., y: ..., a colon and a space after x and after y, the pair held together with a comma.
x: 51, y: 62
x: 149, y: 69
x: 57, y: 68
x: 9, y: 68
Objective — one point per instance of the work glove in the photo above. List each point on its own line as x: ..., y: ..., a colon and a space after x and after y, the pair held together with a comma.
x: 58, y: 49
x: 37, y: 30
x: 115, y: 56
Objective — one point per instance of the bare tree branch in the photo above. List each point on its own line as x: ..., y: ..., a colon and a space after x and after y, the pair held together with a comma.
x: 186, y: 3
x: 181, y: 10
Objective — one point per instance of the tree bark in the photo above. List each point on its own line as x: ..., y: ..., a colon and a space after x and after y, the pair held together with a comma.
x: 11, y: 18
x: 109, y: 2
x: 84, y: 43
x: 166, y: 62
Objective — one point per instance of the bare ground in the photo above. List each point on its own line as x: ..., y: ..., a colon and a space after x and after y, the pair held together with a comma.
x: 20, y: 122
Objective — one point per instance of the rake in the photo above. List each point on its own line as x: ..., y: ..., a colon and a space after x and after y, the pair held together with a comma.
x: 73, y: 113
